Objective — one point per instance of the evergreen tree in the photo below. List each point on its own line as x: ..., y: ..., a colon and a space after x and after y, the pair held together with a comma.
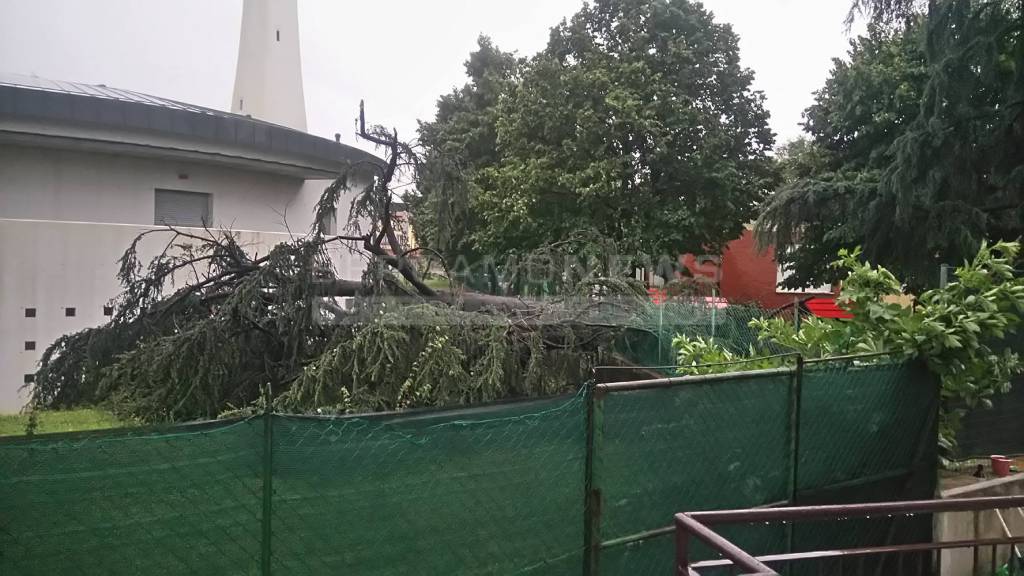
x: 457, y: 144
x: 925, y: 130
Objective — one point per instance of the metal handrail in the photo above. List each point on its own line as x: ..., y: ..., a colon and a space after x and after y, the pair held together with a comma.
x: 795, y: 513
x: 688, y: 526
x: 869, y: 551
x: 692, y: 379
x: 697, y: 524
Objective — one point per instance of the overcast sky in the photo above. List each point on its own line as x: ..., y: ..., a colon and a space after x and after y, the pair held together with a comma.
x: 399, y: 55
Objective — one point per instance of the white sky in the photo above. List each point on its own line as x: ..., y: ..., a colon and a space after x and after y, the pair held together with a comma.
x: 399, y: 55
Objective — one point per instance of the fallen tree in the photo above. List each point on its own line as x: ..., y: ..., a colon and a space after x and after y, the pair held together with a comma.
x: 242, y: 323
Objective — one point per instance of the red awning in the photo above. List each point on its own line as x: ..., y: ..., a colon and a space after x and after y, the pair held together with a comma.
x: 826, y: 308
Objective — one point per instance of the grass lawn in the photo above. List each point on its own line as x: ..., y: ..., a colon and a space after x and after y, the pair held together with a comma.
x: 60, y: 421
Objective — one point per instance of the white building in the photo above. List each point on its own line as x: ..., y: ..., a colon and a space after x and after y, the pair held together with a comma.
x: 85, y: 168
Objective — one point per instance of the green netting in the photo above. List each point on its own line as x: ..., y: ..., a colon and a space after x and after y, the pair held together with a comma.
x: 479, y: 493
x: 866, y: 433
x: 721, y: 444
x: 496, y: 489
x: 996, y: 430
x: 999, y: 429
x: 851, y: 533
x: 861, y: 420
x: 692, y: 447
x: 649, y: 343
x: 138, y: 503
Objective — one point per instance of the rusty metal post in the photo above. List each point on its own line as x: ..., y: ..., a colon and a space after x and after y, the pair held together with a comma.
x: 592, y: 486
x: 268, y: 487
x: 795, y: 393
x: 682, y: 549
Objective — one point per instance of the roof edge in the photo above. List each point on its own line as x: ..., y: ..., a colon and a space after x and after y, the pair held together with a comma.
x: 194, y: 123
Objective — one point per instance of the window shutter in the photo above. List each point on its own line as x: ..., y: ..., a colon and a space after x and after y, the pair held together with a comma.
x: 180, y: 208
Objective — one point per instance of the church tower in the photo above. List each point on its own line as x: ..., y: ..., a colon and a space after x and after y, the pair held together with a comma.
x: 268, y: 80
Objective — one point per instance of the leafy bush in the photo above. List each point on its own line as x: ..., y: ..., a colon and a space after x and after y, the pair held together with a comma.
x: 959, y: 330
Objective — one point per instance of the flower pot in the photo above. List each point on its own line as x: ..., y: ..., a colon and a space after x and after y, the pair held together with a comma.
x: 1000, y: 465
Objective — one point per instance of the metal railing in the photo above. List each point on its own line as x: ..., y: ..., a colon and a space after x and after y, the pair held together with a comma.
x: 698, y: 525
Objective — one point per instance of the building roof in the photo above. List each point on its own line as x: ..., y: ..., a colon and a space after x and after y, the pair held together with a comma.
x: 100, y: 107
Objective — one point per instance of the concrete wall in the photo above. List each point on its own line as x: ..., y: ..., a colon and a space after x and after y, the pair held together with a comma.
x: 66, y: 185
x: 968, y: 525
x: 67, y: 216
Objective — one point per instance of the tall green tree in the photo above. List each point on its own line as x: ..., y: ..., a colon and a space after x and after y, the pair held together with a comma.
x: 457, y: 144
x: 636, y: 124
x: 828, y: 200
x: 939, y: 180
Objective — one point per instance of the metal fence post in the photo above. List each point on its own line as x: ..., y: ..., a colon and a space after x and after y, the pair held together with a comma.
x: 268, y: 486
x: 795, y: 391
x: 592, y: 487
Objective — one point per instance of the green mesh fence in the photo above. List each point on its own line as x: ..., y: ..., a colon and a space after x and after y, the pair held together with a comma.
x: 448, y: 493
x: 995, y: 430
x: 867, y: 434
x: 999, y: 429
x: 863, y: 430
x: 185, y: 501
x: 649, y: 343
x: 851, y: 412
x: 692, y: 447
x: 500, y: 489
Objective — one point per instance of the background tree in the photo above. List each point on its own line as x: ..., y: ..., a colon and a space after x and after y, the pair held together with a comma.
x: 636, y: 124
x: 457, y: 144
x: 924, y: 128
x: 829, y: 198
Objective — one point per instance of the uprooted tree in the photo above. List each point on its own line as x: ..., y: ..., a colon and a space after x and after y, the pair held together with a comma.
x: 240, y: 324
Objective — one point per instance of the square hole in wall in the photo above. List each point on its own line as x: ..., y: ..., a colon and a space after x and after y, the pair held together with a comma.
x: 30, y: 312
x: 108, y: 310
x: 30, y: 344
x: 69, y: 312
x: 30, y: 378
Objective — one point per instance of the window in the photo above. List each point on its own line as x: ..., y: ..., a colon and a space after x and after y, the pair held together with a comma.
x: 29, y: 378
x: 179, y: 208
x: 108, y: 310
x: 69, y: 312
x: 30, y: 312
x: 30, y: 344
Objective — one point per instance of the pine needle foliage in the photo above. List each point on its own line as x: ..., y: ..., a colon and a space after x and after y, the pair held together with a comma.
x: 205, y: 329
x: 921, y: 136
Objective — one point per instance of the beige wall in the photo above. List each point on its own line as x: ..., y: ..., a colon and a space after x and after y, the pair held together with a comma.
x: 968, y: 525
x: 67, y: 216
x: 51, y: 184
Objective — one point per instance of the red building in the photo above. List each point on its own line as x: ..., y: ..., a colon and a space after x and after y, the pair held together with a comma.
x: 745, y: 276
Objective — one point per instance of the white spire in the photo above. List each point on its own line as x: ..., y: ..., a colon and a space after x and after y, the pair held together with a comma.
x: 268, y: 80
